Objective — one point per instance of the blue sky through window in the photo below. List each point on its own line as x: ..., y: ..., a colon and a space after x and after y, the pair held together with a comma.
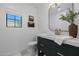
x: 18, y: 17
x: 10, y: 17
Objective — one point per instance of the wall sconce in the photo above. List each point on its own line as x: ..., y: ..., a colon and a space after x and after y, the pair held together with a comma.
x: 56, y: 5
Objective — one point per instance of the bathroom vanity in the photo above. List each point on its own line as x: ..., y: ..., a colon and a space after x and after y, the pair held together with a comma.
x: 47, y: 46
x: 58, y: 44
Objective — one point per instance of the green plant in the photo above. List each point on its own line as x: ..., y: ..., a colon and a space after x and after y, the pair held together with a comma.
x: 69, y: 17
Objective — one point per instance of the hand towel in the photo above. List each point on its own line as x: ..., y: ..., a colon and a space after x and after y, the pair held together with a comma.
x: 60, y: 38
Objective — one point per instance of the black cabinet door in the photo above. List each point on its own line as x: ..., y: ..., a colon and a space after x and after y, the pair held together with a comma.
x: 68, y: 50
x: 48, y: 47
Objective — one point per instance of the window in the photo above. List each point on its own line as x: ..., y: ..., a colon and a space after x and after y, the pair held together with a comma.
x: 13, y: 21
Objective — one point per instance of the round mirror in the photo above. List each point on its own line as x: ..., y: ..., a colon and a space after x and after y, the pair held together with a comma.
x: 55, y: 11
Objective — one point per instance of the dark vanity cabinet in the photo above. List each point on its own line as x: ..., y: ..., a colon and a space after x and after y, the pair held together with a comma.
x: 50, y: 48
x: 46, y: 47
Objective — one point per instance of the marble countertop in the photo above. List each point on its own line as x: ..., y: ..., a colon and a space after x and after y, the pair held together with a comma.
x: 73, y: 41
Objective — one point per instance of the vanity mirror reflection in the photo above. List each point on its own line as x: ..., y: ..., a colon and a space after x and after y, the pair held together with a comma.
x: 65, y: 12
x: 55, y: 11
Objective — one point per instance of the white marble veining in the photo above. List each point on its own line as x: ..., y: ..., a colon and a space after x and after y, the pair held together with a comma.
x: 64, y: 39
x: 73, y: 42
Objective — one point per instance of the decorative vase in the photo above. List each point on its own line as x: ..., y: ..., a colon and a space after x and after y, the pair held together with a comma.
x: 73, y: 30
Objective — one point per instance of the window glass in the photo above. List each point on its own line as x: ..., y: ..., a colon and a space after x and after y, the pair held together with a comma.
x: 17, y: 17
x: 11, y: 17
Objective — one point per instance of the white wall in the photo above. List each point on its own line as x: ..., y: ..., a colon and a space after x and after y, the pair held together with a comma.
x: 43, y: 18
x: 13, y: 40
